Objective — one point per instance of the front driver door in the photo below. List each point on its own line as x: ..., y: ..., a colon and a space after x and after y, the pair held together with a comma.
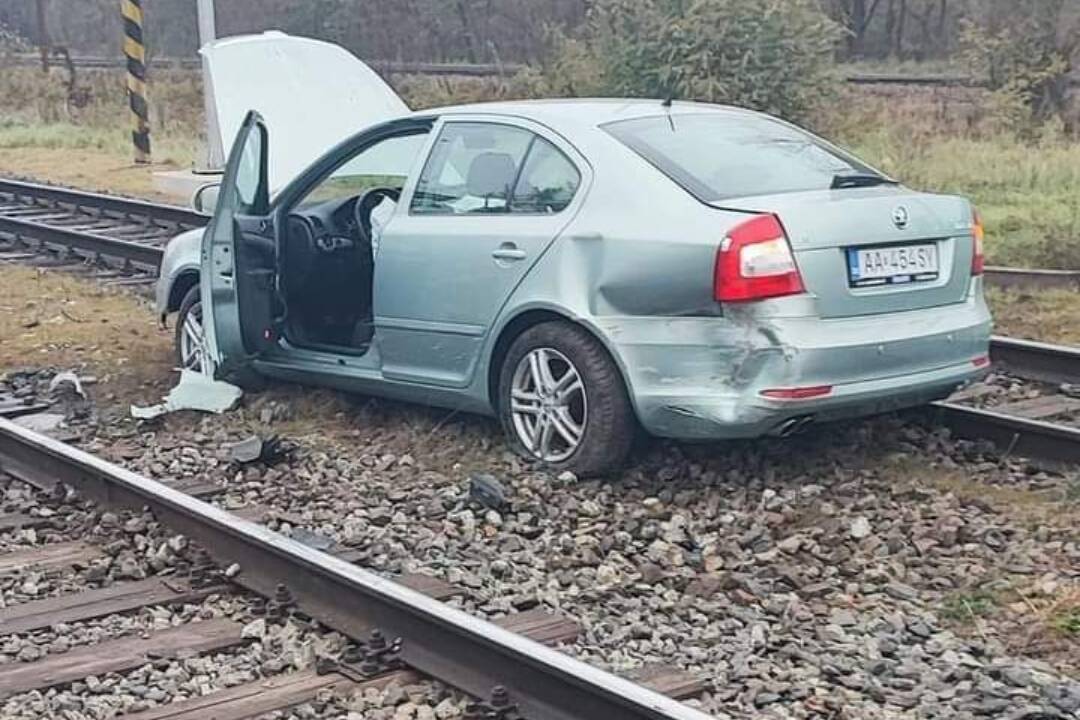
x: 239, y: 256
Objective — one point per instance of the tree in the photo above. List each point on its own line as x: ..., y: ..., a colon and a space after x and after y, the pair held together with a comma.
x: 1027, y: 49
x: 770, y: 55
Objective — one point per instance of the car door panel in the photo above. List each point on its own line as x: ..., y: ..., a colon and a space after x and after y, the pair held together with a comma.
x: 441, y: 281
x: 456, y: 278
x: 238, y: 254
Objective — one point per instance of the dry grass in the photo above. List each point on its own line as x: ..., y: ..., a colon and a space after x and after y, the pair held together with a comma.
x: 1049, y: 316
x: 51, y: 319
x: 88, y: 169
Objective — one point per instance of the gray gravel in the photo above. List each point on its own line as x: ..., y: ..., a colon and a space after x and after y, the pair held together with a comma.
x: 813, y: 577
x: 841, y: 574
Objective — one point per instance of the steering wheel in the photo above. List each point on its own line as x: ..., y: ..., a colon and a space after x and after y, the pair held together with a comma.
x: 368, y: 202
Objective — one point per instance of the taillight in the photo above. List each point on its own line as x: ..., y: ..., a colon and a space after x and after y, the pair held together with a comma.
x: 978, y: 232
x: 755, y: 262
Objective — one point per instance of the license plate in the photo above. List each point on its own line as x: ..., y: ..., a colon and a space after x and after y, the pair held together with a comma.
x: 892, y: 265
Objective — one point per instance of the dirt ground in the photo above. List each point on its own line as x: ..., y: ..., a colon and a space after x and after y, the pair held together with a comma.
x: 49, y: 318
x: 87, y: 169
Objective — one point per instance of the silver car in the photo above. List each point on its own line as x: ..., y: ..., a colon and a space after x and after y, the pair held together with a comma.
x: 583, y: 268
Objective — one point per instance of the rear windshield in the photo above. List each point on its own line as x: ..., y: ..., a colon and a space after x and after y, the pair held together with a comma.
x: 725, y: 155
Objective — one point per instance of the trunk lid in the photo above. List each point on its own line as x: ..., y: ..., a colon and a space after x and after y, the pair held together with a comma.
x: 311, y: 94
x: 823, y: 226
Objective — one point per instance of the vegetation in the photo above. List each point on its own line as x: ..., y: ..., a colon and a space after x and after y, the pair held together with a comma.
x: 1011, y: 147
x: 771, y: 56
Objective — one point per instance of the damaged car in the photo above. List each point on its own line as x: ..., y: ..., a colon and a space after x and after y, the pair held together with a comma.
x: 580, y: 269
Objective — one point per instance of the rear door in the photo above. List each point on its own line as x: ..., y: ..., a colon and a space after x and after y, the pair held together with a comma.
x: 491, y: 199
x: 239, y: 255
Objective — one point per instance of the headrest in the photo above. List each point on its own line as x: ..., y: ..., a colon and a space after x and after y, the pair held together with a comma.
x: 491, y: 175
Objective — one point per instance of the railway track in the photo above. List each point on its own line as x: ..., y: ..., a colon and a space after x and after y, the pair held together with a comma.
x: 71, y: 227
x: 1033, y: 408
x: 399, y: 630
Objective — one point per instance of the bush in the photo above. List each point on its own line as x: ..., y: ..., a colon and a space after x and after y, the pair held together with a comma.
x: 1027, y: 50
x: 769, y: 55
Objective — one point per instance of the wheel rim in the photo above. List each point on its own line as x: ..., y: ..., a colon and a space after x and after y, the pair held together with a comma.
x: 548, y: 405
x: 193, y: 340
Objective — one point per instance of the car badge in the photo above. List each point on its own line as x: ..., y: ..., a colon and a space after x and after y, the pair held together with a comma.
x: 900, y: 217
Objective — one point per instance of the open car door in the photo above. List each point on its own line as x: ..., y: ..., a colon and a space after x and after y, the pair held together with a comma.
x: 239, y: 257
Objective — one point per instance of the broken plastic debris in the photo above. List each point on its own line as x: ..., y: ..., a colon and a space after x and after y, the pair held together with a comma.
x: 67, y: 378
x: 258, y: 449
x: 488, y: 492
x: 195, y: 391
x: 40, y: 422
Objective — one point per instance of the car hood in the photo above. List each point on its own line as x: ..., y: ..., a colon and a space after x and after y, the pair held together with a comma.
x: 311, y: 94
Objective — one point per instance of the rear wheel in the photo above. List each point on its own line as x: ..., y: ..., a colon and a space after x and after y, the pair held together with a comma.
x: 562, y: 400
x: 190, y: 338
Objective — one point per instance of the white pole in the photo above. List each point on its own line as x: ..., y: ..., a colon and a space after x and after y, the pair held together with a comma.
x: 215, y: 153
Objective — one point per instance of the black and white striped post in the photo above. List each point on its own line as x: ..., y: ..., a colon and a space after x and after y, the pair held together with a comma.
x: 135, y: 51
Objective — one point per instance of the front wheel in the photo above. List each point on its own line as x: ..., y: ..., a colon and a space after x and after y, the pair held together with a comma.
x: 562, y: 400
x: 190, y: 340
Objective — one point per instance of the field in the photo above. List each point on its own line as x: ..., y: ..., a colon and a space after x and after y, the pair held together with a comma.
x: 944, y: 140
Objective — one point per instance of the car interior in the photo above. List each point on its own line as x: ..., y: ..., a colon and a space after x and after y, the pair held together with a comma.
x: 329, y: 248
x: 327, y: 272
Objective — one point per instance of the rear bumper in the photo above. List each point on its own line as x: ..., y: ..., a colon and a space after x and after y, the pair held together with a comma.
x: 702, y: 378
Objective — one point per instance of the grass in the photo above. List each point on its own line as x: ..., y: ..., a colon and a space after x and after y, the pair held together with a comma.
x: 965, y: 607
x: 1028, y: 194
x: 1047, y: 315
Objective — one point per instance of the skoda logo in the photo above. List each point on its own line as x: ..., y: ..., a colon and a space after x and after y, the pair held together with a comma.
x: 900, y: 217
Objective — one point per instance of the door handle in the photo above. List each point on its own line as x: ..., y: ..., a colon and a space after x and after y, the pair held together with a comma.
x: 509, y: 251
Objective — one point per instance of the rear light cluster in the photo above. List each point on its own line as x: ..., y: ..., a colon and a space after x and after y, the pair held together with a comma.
x: 755, y: 262
x: 978, y: 232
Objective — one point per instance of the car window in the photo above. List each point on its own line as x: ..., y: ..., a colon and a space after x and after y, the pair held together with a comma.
x: 547, y: 183
x: 249, y: 170
x: 471, y: 170
x: 386, y: 164
x: 724, y: 155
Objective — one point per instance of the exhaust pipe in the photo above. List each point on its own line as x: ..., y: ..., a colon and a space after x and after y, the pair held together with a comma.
x: 793, y: 426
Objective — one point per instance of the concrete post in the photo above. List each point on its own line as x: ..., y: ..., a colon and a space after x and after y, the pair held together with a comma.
x: 215, y: 153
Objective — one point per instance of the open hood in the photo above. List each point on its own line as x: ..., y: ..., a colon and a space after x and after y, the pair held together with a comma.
x: 311, y: 94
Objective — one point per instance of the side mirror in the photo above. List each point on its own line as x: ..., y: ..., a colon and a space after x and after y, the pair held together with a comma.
x: 205, y: 198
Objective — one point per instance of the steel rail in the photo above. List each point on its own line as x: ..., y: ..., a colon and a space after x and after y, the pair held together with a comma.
x: 159, y: 214
x: 1036, y: 360
x: 1010, y: 277
x: 1014, y: 434
x: 465, y: 652
x: 91, y: 243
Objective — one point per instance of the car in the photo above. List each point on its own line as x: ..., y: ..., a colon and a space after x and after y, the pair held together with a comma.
x: 580, y: 269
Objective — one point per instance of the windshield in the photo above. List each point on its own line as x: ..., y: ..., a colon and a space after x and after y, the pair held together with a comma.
x: 716, y: 156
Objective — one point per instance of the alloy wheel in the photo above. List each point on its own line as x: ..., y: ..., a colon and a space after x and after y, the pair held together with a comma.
x: 548, y: 405
x: 193, y: 340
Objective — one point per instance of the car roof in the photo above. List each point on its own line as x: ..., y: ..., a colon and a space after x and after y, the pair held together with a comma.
x: 582, y: 112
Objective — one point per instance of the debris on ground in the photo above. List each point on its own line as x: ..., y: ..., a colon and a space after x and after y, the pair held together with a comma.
x: 486, y: 491
x: 195, y: 391
x: 41, y: 422
x: 67, y: 382
x: 257, y: 449
x: 45, y: 400
x: 1070, y: 390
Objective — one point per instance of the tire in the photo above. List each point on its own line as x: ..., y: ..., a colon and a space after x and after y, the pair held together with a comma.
x: 602, y: 419
x: 242, y: 377
x: 191, y: 305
